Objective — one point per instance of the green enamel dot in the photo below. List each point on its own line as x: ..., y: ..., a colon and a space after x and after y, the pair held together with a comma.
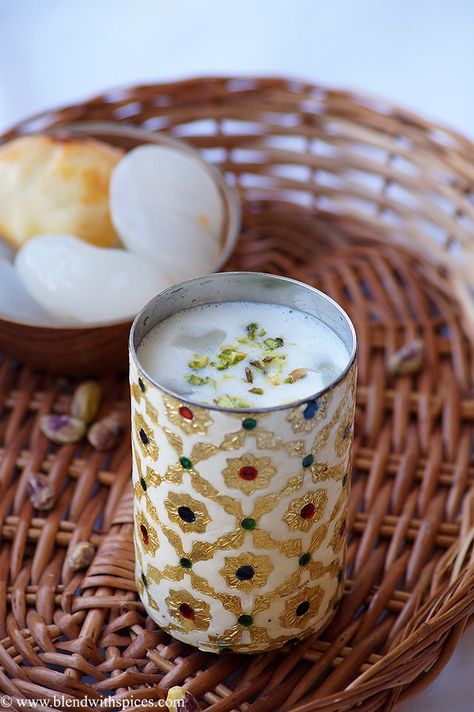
x: 308, y: 460
x: 142, y: 385
x: 344, y: 479
x: 304, y: 559
x: 143, y: 484
x: 186, y: 463
x: 225, y: 648
x: 248, y: 523
x: 249, y: 423
x: 144, y: 579
x: 185, y: 563
x: 245, y: 620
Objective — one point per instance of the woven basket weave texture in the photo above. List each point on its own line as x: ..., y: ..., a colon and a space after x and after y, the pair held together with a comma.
x: 373, y: 205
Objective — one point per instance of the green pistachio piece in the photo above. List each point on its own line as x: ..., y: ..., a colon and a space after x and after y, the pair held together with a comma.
x: 196, y: 380
x: 252, y: 330
x: 248, y: 375
x: 258, y: 391
x: 272, y: 344
x: 229, y: 357
x: 198, y: 362
x: 227, y: 401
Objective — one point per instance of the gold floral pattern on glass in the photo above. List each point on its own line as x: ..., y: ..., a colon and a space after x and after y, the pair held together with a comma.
x: 303, y: 512
x: 188, y: 513
x: 144, y: 437
x: 188, y: 612
x: 247, y: 571
x: 146, y: 533
x: 301, y: 607
x: 190, y: 419
x: 304, y: 418
x: 248, y: 473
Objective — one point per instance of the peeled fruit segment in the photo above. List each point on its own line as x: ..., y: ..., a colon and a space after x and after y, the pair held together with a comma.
x: 77, y: 282
x: 167, y: 207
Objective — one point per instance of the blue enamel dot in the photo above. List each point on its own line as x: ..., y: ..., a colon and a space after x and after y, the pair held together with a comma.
x: 311, y: 409
x: 308, y: 460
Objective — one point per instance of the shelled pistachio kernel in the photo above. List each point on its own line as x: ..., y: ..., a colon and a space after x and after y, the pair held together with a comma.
x: 105, y: 433
x: 81, y: 555
x: 61, y: 428
x: 180, y: 699
x: 408, y: 359
x: 86, y: 400
x: 41, y: 491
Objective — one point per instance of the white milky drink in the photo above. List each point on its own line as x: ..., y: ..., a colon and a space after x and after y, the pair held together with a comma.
x: 243, y: 354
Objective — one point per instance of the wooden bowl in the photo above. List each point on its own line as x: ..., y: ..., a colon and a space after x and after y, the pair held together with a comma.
x: 92, y: 349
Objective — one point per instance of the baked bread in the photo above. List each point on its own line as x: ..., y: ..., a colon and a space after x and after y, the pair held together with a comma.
x: 54, y: 185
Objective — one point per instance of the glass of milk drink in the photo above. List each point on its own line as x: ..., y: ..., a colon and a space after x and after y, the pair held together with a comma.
x: 243, y: 394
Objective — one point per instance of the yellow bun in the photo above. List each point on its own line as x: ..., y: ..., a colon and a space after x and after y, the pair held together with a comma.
x: 52, y: 185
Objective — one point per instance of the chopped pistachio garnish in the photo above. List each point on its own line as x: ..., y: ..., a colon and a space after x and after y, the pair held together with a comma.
x: 198, y: 362
x: 259, y: 365
x: 227, y: 401
x: 258, y: 391
x: 229, y: 357
x: 196, y: 380
x: 275, y: 380
x: 252, y: 329
x: 248, y: 375
x: 272, y: 344
x: 268, y: 359
x: 296, y: 375
x: 261, y: 331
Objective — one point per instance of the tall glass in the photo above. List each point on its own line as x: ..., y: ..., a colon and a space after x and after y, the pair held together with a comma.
x: 225, y: 561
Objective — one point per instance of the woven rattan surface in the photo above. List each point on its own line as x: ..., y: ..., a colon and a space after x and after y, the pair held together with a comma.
x: 351, y: 196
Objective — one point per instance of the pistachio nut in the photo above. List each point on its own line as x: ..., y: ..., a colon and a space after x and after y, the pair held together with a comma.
x: 61, y: 428
x: 86, y: 400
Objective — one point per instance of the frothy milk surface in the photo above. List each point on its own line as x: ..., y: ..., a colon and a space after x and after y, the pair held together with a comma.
x: 243, y: 354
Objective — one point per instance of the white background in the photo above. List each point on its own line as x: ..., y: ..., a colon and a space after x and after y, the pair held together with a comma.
x: 418, y: 53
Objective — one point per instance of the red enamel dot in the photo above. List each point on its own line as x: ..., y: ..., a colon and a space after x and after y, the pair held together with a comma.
x: 308, y: 511
x: 186, y: 611
x: 248, y: 473
x: 144, y: 533
x: 186, y: 413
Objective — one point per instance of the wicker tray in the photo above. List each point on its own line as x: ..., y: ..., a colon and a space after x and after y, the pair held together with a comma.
x: 350, y: 195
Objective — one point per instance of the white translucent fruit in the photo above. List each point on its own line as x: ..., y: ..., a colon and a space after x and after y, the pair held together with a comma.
x: 166, y: 207
x: 15, y: 301
x: 77, y: 282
